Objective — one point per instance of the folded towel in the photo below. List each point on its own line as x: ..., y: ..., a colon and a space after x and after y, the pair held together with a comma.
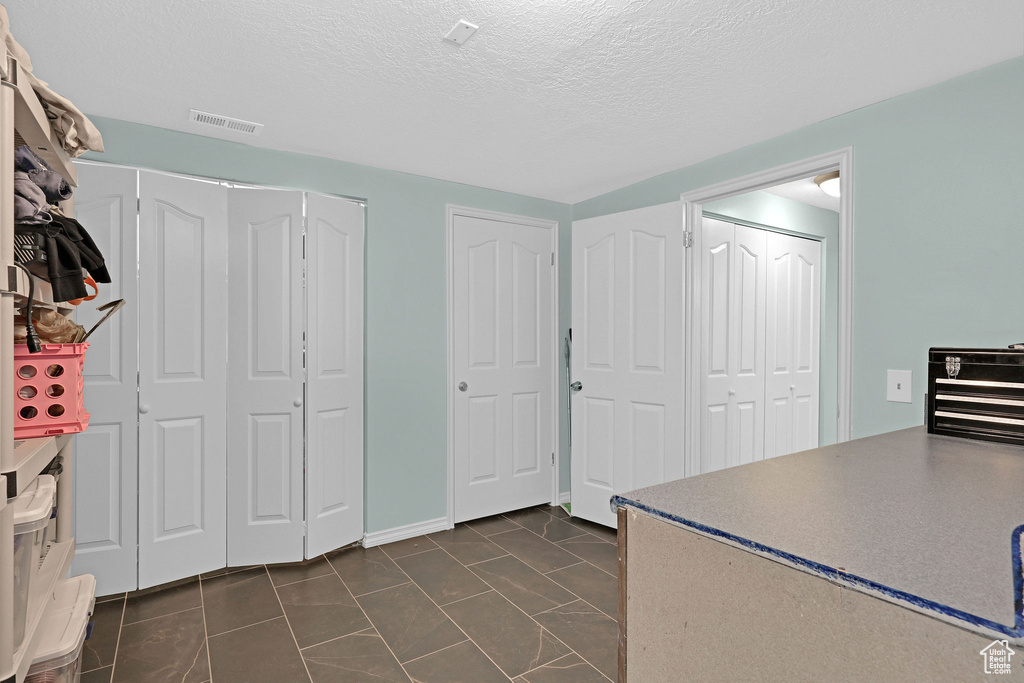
x: 24, y: 187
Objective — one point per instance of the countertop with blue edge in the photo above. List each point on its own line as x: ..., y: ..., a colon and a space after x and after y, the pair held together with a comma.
x: 929, y: 520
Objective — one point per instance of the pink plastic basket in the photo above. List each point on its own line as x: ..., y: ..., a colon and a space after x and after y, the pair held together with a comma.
x: 48, y: 391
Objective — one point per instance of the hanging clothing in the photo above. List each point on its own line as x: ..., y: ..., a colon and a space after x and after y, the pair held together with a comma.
x: 89, y: 253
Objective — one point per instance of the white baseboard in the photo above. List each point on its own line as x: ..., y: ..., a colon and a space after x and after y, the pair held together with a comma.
x: 400, y: 533
x: 563, y: 498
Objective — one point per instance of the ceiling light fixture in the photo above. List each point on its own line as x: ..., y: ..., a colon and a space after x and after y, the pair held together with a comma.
x: 829, y: 183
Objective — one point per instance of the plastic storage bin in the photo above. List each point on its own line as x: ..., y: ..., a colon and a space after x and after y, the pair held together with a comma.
x: 59, y: 655
x: 32, y: 511
x: 48, y: 391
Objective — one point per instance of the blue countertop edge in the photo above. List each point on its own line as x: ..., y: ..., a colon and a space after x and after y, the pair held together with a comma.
x: 1015, y: 631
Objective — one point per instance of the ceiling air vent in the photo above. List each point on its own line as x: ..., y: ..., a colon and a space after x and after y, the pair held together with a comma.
x: 224, y: 122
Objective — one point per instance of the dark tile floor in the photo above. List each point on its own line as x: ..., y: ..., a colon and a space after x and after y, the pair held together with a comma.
x: 529, y: 596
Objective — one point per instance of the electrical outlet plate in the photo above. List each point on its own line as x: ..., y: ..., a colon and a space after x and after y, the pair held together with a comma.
x: 899, y: 386
x: 461, y: 32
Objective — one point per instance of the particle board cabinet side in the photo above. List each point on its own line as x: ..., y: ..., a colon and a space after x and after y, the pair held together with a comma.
x: 623, y: 596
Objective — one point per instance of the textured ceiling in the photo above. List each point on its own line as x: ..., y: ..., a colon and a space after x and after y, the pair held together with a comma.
x: 554, y: 99
x: 805, y: 192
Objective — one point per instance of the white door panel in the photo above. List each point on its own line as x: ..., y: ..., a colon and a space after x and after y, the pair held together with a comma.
x: 334, y: 357
x: 793, y: 344
x: 183, y: 357
x: 503, y: 348
x: 628, y: 320
x: 266, y: 318
x: 105, y: 462
x: 732, y: 349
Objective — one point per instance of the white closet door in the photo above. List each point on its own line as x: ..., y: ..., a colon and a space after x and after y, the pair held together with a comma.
x: 793, y: 344
x: 334, y: 347
x: 182, y: 361
x: 733, y: 273
x: 502, y: 279
x: 627, y: 311
x: 265, y: 324
x: 106, y: 455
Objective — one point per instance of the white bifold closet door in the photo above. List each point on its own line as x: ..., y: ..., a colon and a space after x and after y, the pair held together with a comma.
x: 760, y: 333
x: 334, y: 358
x: 106, y: 455
x: 793, y: 345
x: 183, y: 231
x: 732, y: 351
x: 627, y: 311
x: 265, y: 320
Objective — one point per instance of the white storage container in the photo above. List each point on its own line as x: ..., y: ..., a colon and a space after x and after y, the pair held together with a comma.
x: 58, y: 659
x: 31, y: 514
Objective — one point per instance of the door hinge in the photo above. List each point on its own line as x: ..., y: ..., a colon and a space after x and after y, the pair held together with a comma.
x: 552, y: 258
x: 687, y: 240
x: 552, y: 458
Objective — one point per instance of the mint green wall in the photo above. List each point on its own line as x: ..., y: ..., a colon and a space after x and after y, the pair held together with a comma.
x: 938, y: 206
x: 406, y: 352
x: 773, y: 211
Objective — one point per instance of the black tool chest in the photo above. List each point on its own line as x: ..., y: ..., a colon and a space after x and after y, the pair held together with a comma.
x: 977, y: 393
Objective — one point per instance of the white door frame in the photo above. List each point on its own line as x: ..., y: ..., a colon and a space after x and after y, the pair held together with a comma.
x: 453, y: 210
x: 693, y: 204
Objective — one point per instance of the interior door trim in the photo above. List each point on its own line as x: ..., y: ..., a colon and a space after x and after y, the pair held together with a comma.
x: 451, y: 212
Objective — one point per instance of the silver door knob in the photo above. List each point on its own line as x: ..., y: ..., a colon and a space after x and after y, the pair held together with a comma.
x: 297, y: 403
x: 144, y: 408
x: 463, y: 386
x: 732, y: 392
x: 576, y: 386
x: 792, y: 387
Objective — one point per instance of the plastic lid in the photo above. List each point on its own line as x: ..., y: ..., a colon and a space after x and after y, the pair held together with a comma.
x: 33, y: 507
x: 63, y: 628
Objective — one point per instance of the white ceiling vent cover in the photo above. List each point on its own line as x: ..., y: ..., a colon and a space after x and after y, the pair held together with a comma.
x: 224, y: 122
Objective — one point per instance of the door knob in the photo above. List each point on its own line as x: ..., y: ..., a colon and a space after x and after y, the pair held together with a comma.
x: 732, y: 392
x: 792, y: 387
x: 144, y: 408
x: 463, y: 386
x: 576, y: 386
x: 297, y: 403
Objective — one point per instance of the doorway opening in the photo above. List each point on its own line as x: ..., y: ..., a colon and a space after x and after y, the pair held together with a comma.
x: 780, y: 250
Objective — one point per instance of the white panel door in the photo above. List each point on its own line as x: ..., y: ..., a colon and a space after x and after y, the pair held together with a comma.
x: 793, y: 344
x: 334, y: 343
x: 266, y: 318
x: 183, y: 230
x: 106, y: 456
x: 503, y: 323
x: 733, y: 272
x: 627, y: 311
